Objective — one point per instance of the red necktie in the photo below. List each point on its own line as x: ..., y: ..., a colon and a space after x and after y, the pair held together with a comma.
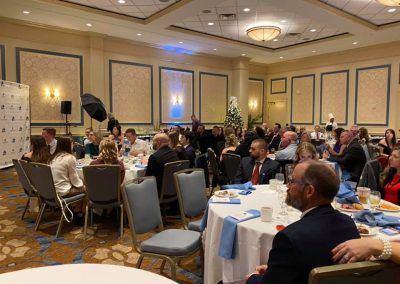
x: 317, y: 135
x: 256, y: 174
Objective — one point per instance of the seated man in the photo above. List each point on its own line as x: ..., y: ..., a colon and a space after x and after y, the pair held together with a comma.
x: 307, y: 243
x: 317, y: 134
x: 289, y: 146
x: 163, y: 154
x: 257, y: 168
x: 137, y: 146
x: 49, y: 135
x: 274, y: 138
x: 353, y: 159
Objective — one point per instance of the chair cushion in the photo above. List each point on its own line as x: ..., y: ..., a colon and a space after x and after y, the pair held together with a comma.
x: 195, y: 226
x: 173, y: 242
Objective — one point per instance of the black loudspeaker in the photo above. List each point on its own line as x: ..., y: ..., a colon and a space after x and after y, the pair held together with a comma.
x: 66, y: 107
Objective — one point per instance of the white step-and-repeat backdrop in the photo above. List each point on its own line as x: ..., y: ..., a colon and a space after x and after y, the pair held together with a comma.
x: 14, y: 122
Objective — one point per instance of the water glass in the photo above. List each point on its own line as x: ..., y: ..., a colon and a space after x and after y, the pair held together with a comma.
x: 280, y: 177
x: 374, y: 199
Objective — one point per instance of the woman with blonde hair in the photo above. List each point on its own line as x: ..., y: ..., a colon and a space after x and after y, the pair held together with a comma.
x: 174, y: 145
x: 109, y: 156
x: 231, y: 143
x: 306, y: 151
x: 92, y: 148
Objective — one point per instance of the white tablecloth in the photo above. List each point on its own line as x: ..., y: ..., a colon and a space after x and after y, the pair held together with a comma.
x: 131, y: 171
x: 253, y: 237
x: 82, y: 273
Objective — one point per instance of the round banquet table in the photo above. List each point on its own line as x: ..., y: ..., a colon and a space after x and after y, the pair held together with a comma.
x: 253, y: 237
x: 82, y: 273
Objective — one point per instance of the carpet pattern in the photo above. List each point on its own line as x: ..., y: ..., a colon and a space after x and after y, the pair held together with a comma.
x: 21, y: 247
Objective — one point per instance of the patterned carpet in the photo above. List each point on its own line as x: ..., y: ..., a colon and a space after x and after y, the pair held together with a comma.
x: 21, y: 247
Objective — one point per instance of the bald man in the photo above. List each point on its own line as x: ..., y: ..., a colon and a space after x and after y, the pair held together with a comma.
x: 288, y: 145
x: 163, y: 154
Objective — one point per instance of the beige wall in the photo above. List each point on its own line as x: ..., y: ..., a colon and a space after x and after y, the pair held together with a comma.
x: 371, y: 86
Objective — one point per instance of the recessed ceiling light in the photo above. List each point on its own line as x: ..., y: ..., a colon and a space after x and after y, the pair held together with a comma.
x: 26, y: 12
x: 89, y: 24
x: 356, y: 42
x: 210, y: 24
x: 313, y: 30
x: 139, y: 34
x: 121, y: 1
x: 181, y: 42
x: 246, y: 10
x: 283, y: 21
x: 313, y: 51
x: 275, y: 39
x: 243, y: 54
x: 214, y: 49
x: 391, y: 10
x: 281, y: 57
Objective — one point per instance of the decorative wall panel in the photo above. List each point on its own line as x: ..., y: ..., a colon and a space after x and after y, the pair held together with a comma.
x: 302, y: 99
x: 213, y: 97
x: 2, y: 62
x: 176, y: 95
x: 372, y: 95
x: 131, y: 92
x: 51, y: 73
x: 334, y: 96
x: 278, y: 86
x: 256, y: 99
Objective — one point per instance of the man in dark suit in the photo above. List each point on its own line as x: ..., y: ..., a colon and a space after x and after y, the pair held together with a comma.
x: 353, y: 159
x: 257, y: 168
x: 274, y: 139
x: 307, y: 243
x: 189, y: 150
x: 164, y: 154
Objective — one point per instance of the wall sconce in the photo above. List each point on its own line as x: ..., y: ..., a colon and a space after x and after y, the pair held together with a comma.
x: 253, y: 104
x: 177, y: 100
x: 52, y: 95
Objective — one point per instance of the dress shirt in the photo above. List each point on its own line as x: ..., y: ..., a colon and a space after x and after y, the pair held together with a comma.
x: 261, y: 163
x: 139, y: 145
x: 63, y: 170
x: 308, y: 210
x: 314, y: 135
x: 53, y: 146
x: 86, y: 141
x: 289, y: 153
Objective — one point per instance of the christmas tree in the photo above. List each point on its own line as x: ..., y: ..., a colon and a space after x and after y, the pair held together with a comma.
x: 233, y: 118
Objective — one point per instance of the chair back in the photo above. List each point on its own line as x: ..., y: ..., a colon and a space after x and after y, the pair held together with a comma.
x: 213, y: 162
x: 102, y: 183
x: 370, y: 176
x: 23, y: 177
x: 142, y: 205
x: 168, y: 186
x: 383, y: 160
x: 316, y: 142
x: 231, y: 163
x: 42, y: 180
x: 200, y: 161
x: 191, y: 190
x: 356, y: 273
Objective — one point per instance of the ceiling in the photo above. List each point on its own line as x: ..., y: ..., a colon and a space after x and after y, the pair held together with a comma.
x: 308, y: 27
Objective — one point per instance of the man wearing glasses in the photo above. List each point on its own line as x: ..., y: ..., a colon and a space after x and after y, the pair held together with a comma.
x: 307, y: 243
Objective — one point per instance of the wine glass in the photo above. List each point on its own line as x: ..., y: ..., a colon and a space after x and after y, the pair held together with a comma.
x: 280, y: 177
x: 374, y: 199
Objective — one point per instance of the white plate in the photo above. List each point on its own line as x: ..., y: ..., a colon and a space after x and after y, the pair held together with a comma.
x: 389, y: 210
x: 372, y: 230
x: 339, y: 207
x: 226, y: 193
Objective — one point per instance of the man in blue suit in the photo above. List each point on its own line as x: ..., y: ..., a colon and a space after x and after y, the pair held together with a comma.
x: 257, y: 168
x: 307, y: 243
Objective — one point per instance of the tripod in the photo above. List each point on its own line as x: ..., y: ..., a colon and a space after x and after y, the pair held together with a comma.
x: 67, y: 126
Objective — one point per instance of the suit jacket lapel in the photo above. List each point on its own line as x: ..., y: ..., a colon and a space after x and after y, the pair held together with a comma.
x: 263, y: 171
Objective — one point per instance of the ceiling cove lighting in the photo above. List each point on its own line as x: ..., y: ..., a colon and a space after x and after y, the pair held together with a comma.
x: 26, y: 12
x: 89, y: 24
x: 391, y: 10
x: 246, y: 10
x: 263, y: 33
x: 121, y: 1
x: 391, y: 3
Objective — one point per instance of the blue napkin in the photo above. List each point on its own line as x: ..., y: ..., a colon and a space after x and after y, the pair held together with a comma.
x: 376, y: 219
x: 245, y: 186
x: 228, y: 234
x: 140, y: 166
x: 346, y: 194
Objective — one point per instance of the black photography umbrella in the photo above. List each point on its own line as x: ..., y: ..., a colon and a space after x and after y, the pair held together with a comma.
x: 94, y: 107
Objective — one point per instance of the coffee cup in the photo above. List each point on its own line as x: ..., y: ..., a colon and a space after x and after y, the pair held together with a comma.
x: 266, y: 214
x: 363, y: 194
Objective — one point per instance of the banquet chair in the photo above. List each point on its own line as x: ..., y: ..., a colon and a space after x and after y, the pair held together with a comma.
x: 231, y: 163
x: 212, y: 157
x: 370, y: 175
x: 42, y: 181
x: 103, y: 191
x: 25, y: 182
x: 143, y: 209
x: 192, y: 196
x: 366, y: 272
x: 168, y: 191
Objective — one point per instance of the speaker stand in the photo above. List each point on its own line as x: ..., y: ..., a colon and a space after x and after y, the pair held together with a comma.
x: 67, y: 126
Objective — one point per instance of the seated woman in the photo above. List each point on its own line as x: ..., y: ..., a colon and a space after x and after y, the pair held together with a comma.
x: 338, y: 148
x: 174, y: 144
x: 39, y: 151
x: 390, y: 178
x: 386, y: 144
x: 92, y: 148
x: 117, y: 136
x: 305, y: 137
x: 230, y: 144
x: 306, y: 151
x: 109, y: 156
x: 63, y: 169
